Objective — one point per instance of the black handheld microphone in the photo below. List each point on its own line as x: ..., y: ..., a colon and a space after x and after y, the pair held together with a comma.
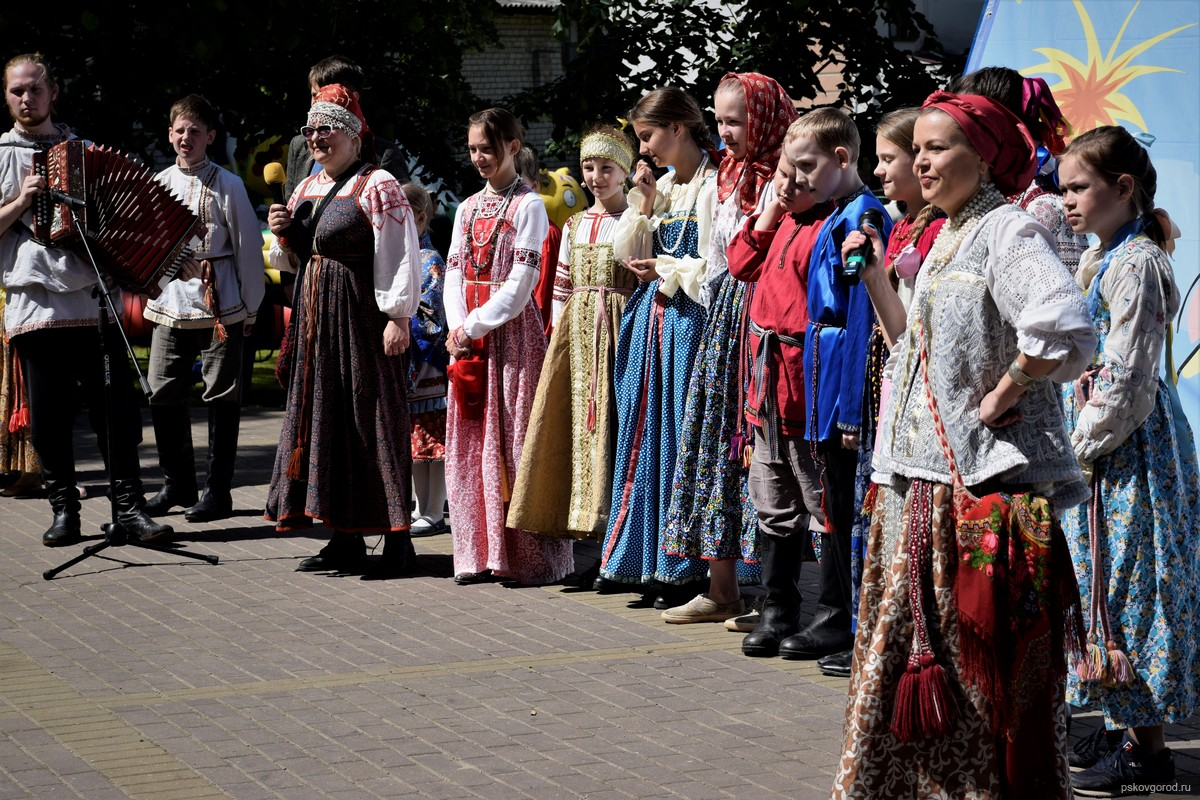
x: 860, y: 256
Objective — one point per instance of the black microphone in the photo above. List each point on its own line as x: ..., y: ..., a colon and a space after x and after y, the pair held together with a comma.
x: 66, y: 200
x: 299, y: 234
x: 860, y: 256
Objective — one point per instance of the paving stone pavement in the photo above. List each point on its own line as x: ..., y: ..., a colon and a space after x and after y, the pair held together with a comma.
x: 138, y: 674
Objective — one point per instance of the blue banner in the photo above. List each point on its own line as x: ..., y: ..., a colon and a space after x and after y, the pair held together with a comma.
x: 1131, y: 63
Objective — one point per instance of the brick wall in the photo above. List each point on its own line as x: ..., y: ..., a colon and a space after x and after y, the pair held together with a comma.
x: 531, y: 57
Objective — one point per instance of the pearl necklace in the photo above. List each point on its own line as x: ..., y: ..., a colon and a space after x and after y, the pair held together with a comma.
x: 690, y: 198
x: 956, y: 228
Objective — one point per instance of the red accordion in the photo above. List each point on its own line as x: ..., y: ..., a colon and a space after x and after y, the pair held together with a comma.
x: 139, y: 232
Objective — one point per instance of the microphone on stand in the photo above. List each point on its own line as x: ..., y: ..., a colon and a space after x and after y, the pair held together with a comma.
x: 66, y: 200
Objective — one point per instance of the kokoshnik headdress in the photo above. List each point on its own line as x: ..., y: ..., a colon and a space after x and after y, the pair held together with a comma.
x: 336, y: 107
x: 602, y: 144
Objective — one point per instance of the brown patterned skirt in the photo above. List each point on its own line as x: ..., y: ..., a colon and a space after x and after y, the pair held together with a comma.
x: 969, y: 760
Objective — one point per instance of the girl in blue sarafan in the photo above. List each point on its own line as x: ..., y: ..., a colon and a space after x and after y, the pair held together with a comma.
x: 663, y: 238
x: 1134, y: 544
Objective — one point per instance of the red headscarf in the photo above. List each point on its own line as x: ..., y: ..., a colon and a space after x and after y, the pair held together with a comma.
x: 769, y: 112
x: 1038, y: 103
x: 997, y: 135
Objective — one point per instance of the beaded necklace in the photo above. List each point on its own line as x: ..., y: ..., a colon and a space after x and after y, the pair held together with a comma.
x: 956, y: 228
x: 60, y: 134
x: 692, y: 195
x: 499, y: 212
x: 493, y: 231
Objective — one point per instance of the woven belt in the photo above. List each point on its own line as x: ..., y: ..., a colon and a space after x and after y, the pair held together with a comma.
x: 765, y: 379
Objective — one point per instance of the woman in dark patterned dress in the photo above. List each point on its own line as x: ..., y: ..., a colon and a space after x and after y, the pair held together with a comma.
x: 344, y: 456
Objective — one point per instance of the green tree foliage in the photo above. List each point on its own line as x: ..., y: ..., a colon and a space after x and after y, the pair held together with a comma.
x: 628, y: 47
x: 121, y: 65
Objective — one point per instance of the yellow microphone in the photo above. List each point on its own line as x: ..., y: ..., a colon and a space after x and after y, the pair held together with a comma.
x: 275, y: 177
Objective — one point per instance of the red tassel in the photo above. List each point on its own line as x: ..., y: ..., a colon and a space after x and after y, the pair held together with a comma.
x: 293, y: 470
x: 868, y: 506
x: 19, y: 420
x: 222, y: 335
x: 591, y: 414
x: 938, y: 708
x: 736, y: 444
x: 906, y: 713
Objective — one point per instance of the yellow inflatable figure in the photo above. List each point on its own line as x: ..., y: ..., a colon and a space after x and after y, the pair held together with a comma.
x: 561, y: 193
x: 271, y: 273
x: 266, y: 151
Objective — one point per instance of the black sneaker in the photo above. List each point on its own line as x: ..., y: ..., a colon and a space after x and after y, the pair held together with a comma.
x: 1123, y: 770
x: 1090, y: 749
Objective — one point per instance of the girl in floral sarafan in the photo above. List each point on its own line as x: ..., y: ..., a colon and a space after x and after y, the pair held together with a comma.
x: 1134, y: 543
x: 711, y: 515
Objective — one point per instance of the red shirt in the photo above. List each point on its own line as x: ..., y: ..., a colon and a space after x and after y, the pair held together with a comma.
x: 543, y: 293
x: 778, y: 261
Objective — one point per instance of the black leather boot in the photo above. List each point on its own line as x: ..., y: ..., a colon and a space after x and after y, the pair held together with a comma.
x: 131, y: 513
x: 397, y: 559
x: 836, y: 665
x: 224, y: 420
x: 176, y: 456
x: 829, y: 631
x: 64, y: 501
x: 780, y: 557
x: 345, y: 552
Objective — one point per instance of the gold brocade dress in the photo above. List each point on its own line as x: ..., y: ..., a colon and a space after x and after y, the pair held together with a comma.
x: 564, y: 485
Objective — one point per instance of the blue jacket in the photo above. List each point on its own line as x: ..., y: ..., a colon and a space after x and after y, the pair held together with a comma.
x: 840, y: 320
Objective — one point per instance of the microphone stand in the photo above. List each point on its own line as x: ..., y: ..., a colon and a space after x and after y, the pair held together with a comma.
x: 115, y: 534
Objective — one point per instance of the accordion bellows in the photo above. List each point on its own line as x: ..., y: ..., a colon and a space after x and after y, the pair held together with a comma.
x: 139, y: 232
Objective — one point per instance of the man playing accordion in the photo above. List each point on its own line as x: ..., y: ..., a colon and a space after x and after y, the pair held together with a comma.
x: 51, y: 319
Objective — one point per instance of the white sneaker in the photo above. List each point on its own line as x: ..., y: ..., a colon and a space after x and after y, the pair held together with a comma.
x: 701, y: 608
x: 744, y: 623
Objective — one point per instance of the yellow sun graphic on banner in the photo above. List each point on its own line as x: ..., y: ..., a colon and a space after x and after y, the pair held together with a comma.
x: 1089, y: 94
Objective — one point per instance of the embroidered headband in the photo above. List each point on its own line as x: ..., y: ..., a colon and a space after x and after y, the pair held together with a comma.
x: 605, y: 145
x: 336, y: 107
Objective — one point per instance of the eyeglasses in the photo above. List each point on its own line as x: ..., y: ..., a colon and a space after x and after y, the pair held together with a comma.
x: 320, y: 132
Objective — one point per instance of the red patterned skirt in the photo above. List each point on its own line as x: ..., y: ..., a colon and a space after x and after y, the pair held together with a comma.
x: 429, y: 435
